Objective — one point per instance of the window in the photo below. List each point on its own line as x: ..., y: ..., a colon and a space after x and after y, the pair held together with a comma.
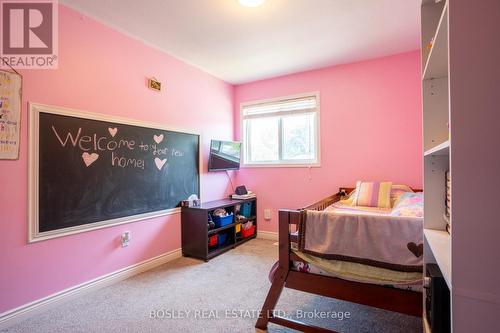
x: 281, y: 131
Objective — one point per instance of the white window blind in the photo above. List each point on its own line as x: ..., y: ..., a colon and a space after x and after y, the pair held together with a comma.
x: 288, y: 105
x: 281, y: 131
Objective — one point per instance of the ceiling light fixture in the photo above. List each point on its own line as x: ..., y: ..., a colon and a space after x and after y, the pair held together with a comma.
x: 251, y: 3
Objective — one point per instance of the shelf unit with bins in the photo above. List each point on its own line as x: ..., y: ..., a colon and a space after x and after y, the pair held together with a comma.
x: 195, y: 231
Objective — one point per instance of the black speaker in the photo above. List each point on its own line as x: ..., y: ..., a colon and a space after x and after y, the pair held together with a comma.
x: 437, y: 300
x: 241, y: 190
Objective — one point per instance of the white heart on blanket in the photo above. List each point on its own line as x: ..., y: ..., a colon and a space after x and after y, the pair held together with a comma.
x: 112, y: 131
x: 88, y: 159
x: 160, y: 163
x: 158, y: 138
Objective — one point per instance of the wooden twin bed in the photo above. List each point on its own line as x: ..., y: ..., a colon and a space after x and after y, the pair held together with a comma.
x: 283, y: 275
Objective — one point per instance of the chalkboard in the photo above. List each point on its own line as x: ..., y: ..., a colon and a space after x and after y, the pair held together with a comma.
x: 94, y: 171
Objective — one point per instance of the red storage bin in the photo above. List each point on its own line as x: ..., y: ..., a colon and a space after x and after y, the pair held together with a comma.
x: 213, y: 240
x: 248, y: 232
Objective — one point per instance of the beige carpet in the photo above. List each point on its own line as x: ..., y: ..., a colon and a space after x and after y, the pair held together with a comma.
x: 236, y: 282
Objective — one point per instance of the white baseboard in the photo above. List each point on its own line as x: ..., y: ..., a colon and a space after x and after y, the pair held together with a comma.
x: 270, y: 235
x: 25, y: 311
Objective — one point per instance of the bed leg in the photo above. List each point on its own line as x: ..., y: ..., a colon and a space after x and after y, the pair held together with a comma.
x: 272, y: 299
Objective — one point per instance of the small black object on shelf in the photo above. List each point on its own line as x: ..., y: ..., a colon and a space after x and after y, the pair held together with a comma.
x: 211, y: 224
x: 437, y: 300
x: 241, y: 190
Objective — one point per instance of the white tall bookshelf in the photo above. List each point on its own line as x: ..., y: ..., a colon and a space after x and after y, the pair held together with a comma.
x: 461, y: 133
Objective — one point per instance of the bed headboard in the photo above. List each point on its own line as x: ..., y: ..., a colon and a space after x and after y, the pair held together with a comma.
x: 350, y: 189
x: 323, y: 203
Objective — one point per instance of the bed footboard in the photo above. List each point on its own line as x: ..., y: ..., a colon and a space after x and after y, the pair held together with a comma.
x: 287, y: 218
x: 397, y: 300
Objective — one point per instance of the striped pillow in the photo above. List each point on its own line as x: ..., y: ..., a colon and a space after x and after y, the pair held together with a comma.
x: 373, y: 194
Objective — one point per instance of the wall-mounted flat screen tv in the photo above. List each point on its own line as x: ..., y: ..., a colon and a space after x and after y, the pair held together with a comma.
x: 224, y: 155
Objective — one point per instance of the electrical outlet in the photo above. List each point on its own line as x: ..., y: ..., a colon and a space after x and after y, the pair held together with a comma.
x: 126, y: 238
x: 267, y: 214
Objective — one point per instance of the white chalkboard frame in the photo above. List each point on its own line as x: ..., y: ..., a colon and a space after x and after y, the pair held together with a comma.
x: 34, y: 234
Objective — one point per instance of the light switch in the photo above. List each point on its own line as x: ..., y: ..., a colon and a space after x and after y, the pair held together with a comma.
x: 267, y: 214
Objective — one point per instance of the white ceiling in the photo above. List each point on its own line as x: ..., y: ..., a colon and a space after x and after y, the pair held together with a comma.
x: 240, y: 44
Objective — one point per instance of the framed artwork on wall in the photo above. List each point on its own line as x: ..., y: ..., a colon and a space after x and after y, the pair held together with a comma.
x: 10, y: 114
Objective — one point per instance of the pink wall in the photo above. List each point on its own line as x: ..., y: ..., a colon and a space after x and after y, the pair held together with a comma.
x: 99, y: 73
x: 370, y: 129
x: 374, y: 104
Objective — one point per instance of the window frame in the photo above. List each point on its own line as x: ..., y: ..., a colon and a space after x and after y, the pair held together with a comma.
x: 282, y: 163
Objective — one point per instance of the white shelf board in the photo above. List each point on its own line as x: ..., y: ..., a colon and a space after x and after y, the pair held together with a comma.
x: 440, y: 243
x: 440, y: 149
x: 437, y: 61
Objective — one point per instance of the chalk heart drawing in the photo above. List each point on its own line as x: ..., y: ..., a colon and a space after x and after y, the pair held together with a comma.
x: 112, y: 131
x: 160, y: 163
x: 158, y: 138
x: 88, y: 159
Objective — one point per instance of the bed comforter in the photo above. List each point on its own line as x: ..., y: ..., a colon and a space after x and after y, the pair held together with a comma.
x: 387, y: 239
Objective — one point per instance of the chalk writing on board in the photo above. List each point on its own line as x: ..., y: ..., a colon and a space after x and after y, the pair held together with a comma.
x: 160, y: 163
x: 88, y: 159
x: 112, y: 131
x: 158, y: 138
x: 91, y: 143
x: 10, y: 114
